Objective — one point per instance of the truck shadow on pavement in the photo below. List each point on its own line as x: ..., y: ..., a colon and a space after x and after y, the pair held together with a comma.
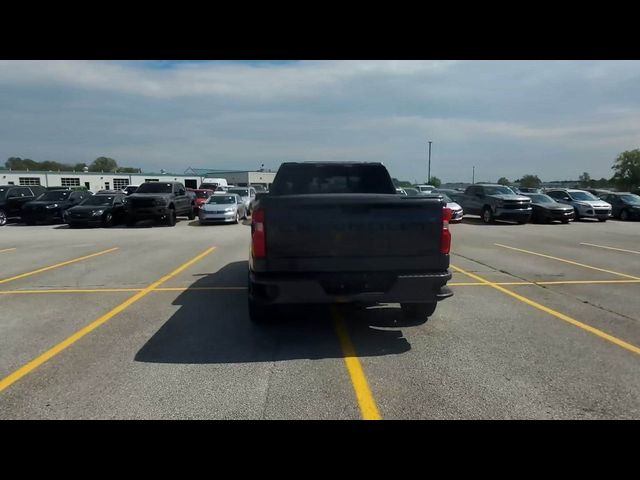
x: 213, y: 326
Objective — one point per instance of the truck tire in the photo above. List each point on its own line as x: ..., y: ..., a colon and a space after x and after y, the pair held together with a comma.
x: 192, y: 213
x: 260, y: 314
x: 171, y: 218
x: 418, y: 310
x: 487, y: 215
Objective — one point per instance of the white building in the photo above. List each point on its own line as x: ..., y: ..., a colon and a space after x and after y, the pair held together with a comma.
x: 108, y: 181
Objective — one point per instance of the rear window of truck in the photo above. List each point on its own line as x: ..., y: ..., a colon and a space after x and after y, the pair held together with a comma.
x: 309, y: 179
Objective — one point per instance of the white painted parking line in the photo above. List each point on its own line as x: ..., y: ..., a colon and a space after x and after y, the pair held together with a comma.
x: 610, y: 248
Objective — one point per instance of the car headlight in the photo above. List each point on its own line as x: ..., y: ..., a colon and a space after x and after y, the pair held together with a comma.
x: 96, y: 213
x: 229, y: 210
x: 49, y: 207
x: 159, y: 201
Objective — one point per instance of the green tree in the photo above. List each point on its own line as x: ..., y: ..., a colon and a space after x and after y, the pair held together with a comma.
x: 585, y: 180
x: 627, y: 170
x: 103, y: 164
x: 79, y: 167
x: 530, y: 181
x: 435, y: 181
x: 137, y: 170
x: 503, y: 181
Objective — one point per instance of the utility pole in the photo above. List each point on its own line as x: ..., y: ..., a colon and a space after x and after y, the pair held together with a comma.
x: 473, y: 178
x: 429, y: 169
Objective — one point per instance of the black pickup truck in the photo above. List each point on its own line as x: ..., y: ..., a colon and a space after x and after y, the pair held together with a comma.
x: 339, y: 233
x: 160, y: 201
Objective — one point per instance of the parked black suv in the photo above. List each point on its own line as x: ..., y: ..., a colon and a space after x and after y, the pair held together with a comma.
x: 13, y: 197
x: 50, y: 206
x: 160, y: 201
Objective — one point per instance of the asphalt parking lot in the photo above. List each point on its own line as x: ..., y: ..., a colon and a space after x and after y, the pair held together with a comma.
x: 152, y: 323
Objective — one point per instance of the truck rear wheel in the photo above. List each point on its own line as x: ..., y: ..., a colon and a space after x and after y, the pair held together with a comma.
x: 418, y: 310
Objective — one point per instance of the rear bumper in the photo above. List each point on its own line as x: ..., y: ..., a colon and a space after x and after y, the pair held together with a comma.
x: 301, y: 288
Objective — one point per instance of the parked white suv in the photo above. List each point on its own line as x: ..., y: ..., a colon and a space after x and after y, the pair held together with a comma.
x: 584, y: 203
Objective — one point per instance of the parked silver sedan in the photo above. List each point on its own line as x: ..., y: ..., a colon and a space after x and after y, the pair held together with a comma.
x: 222, y: 207
x: 456, y: 210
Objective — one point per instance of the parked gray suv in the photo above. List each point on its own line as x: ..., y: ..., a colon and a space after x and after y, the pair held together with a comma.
x: 585, y: 204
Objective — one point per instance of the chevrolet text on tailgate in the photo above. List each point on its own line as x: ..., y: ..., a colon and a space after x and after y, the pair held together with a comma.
x: 339, y: 233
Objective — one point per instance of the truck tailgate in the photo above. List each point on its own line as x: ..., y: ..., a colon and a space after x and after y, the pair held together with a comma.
x: 346, y: 232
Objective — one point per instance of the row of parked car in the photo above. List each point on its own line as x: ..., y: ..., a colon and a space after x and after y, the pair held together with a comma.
x: 160, y: 201
x: 498, y: 202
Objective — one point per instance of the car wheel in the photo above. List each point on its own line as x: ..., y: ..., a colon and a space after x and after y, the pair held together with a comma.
x: 418, y: 310
x: 487, y: 215
x: 3, y: 218
x: 192, y: 213
x: 237, y: 219
x: 107, y: 221
x: 602, y: 219
x: 565, y: 221
x: 171, y: 218
x: 577, y: 214
x: 624, y: 215
x: 261, y: 314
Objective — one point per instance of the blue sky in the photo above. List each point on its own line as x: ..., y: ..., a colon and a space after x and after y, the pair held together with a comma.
x: 555, y: 119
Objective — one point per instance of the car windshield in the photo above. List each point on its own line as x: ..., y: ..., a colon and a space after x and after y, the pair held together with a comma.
x: 155, y: 187
x: 243, y: 192
x: 56, y: 196
x: 446, y: 198
x: 222, y: 199
x: 498, y: 190
x: 540, y: 198
x: 583, y: 196
x: 631, y: 198
x: 99, y: 200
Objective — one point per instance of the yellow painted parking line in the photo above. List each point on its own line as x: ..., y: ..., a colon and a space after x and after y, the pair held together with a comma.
x: 185, y: 289
x: 69, y: 290
x: 610, y: 248
x: 7, y: 250
x: 366, y: 402
x: 586, y: 282
x: 568, y: 261
x: 52, y: 352
x: 550, y: 311
x: 57, y: 265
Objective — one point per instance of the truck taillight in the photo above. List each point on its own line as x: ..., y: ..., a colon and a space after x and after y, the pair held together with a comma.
x: 445, y: 244
x: 258, y: 237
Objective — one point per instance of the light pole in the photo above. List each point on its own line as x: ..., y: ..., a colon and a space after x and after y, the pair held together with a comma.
x: 429, y: 169
x: 473, y: 177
